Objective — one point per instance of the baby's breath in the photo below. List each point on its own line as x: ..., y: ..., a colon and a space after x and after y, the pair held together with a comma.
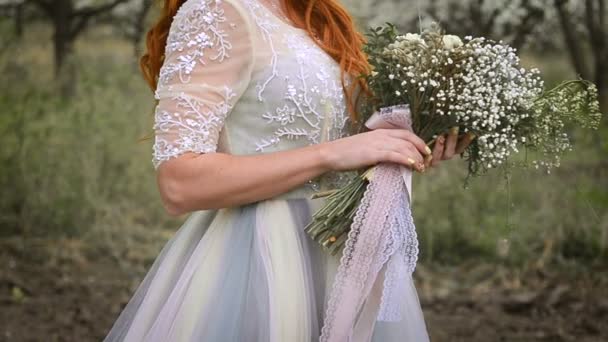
x: 474, y: 83
x: 479, y: 85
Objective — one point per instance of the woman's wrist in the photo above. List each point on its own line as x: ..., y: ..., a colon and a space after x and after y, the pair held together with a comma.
x: 325, y: 156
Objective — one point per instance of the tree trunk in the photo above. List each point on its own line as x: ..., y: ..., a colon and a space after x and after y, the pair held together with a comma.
x: 572, y: 41
x: 63, y: 44
x: 603, y: 93
x: 139, y: 27
x: 19, y: 20
x: 63, y: 47
x: 526, y: 28
x: 68, y: 23
x: 595, y: 12
x: 62, y: 37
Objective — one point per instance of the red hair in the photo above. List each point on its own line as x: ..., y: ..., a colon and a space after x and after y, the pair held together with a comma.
x: 326, y: 19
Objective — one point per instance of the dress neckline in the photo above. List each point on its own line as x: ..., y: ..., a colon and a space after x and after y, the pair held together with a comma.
x: 283, y: 21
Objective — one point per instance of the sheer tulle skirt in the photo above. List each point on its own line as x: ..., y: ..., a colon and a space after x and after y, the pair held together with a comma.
x: 247, y: 273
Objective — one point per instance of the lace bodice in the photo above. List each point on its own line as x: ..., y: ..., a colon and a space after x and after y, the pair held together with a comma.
x: 239, y: 79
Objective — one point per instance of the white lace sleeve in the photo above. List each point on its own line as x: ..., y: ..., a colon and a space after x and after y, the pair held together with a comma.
x: 207, y: 66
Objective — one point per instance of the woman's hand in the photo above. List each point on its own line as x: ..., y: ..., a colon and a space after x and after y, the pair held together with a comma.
x: 449, y: 145
x: 383, y: 145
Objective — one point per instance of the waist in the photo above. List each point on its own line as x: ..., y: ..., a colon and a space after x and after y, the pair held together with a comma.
x: 327, y: 182
x: 305, y: 191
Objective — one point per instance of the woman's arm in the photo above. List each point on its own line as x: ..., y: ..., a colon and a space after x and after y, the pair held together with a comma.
x: 216, y: 180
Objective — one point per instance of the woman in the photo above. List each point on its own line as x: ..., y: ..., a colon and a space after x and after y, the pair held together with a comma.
x: 255, y: 100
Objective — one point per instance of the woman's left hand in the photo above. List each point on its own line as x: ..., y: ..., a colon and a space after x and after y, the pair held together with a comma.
x: 449, y: 145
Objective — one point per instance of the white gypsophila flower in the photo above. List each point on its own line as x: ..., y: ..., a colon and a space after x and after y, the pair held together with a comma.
x: 479, y: 85
x: 414, y: 38
x: 491, y: 94
x: 452, y: 42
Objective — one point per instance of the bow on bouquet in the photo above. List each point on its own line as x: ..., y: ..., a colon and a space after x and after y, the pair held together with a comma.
x: 429, y: 83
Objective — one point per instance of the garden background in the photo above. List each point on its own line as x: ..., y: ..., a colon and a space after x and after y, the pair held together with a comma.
x: 521, y: 256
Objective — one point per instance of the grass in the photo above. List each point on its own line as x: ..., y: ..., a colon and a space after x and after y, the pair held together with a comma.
x: 77, y: 168
x: 73, y: 166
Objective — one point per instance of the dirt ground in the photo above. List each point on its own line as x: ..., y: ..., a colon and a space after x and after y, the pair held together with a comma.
x: 64, y: 291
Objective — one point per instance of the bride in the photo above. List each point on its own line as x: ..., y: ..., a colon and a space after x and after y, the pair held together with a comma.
x: 255, y: 103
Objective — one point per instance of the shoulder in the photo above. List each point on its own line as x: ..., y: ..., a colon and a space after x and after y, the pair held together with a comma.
x: 205, y: 23
x: 211, y: 12
x: 209, y: 33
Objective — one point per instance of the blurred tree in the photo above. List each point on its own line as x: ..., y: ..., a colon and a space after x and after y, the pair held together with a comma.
x: 511, y: 20
x: 139, y: 26
x: 14, y: 9
x: 520, y: 23
x: 19, y: 19
x: 69, y: 21
x: 585, y: 35
x: 131, y: 21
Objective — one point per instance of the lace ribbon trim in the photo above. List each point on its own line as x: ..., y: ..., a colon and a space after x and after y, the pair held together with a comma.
x: 382, y: 234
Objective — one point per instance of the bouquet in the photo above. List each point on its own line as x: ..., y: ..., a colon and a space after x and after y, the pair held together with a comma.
x: 476, y: 84
x: 429, y: 83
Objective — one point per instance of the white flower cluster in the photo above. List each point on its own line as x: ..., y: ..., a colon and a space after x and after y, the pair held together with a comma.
x: 419, y: 70
x: 490, y: 94
x: 567, y: 103
x: 451, y: 42
x: 478, y: 84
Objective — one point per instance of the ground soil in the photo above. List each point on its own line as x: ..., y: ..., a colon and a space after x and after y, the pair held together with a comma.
x: 66, y: 290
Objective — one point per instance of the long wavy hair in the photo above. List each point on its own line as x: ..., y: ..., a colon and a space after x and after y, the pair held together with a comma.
x: 327, y: 20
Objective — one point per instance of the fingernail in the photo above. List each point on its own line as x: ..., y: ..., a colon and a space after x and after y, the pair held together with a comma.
x: 472, y: 135
x: 441, y: 139
x: 428, y: 150
x: 411, y: 161
x: 454, y: 130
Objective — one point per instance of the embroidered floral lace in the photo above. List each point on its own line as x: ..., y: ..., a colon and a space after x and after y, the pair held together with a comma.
x: 237, y: 78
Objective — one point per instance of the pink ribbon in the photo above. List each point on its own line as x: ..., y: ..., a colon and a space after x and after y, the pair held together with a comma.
x: 381, y: 250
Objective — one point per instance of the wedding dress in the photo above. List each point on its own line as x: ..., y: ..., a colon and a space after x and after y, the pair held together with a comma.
x: 239, y: 79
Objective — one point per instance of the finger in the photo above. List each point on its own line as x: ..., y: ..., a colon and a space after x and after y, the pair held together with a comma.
x: 450, y: 144
x: 411, y: 137
x: 415, y: 159
x: 465, y: 142
x: 428, y: 161
x: 403, y: 159
x: 405, y: 147
x: 400, y: 151
x: 438, y: 150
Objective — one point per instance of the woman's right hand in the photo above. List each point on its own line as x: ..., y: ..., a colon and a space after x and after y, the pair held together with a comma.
x: 383, y: 145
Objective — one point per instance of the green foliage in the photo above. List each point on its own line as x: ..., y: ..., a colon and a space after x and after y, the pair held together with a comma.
x: 330, y: 223
x: 72, y: 165
x: 512, y: 218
